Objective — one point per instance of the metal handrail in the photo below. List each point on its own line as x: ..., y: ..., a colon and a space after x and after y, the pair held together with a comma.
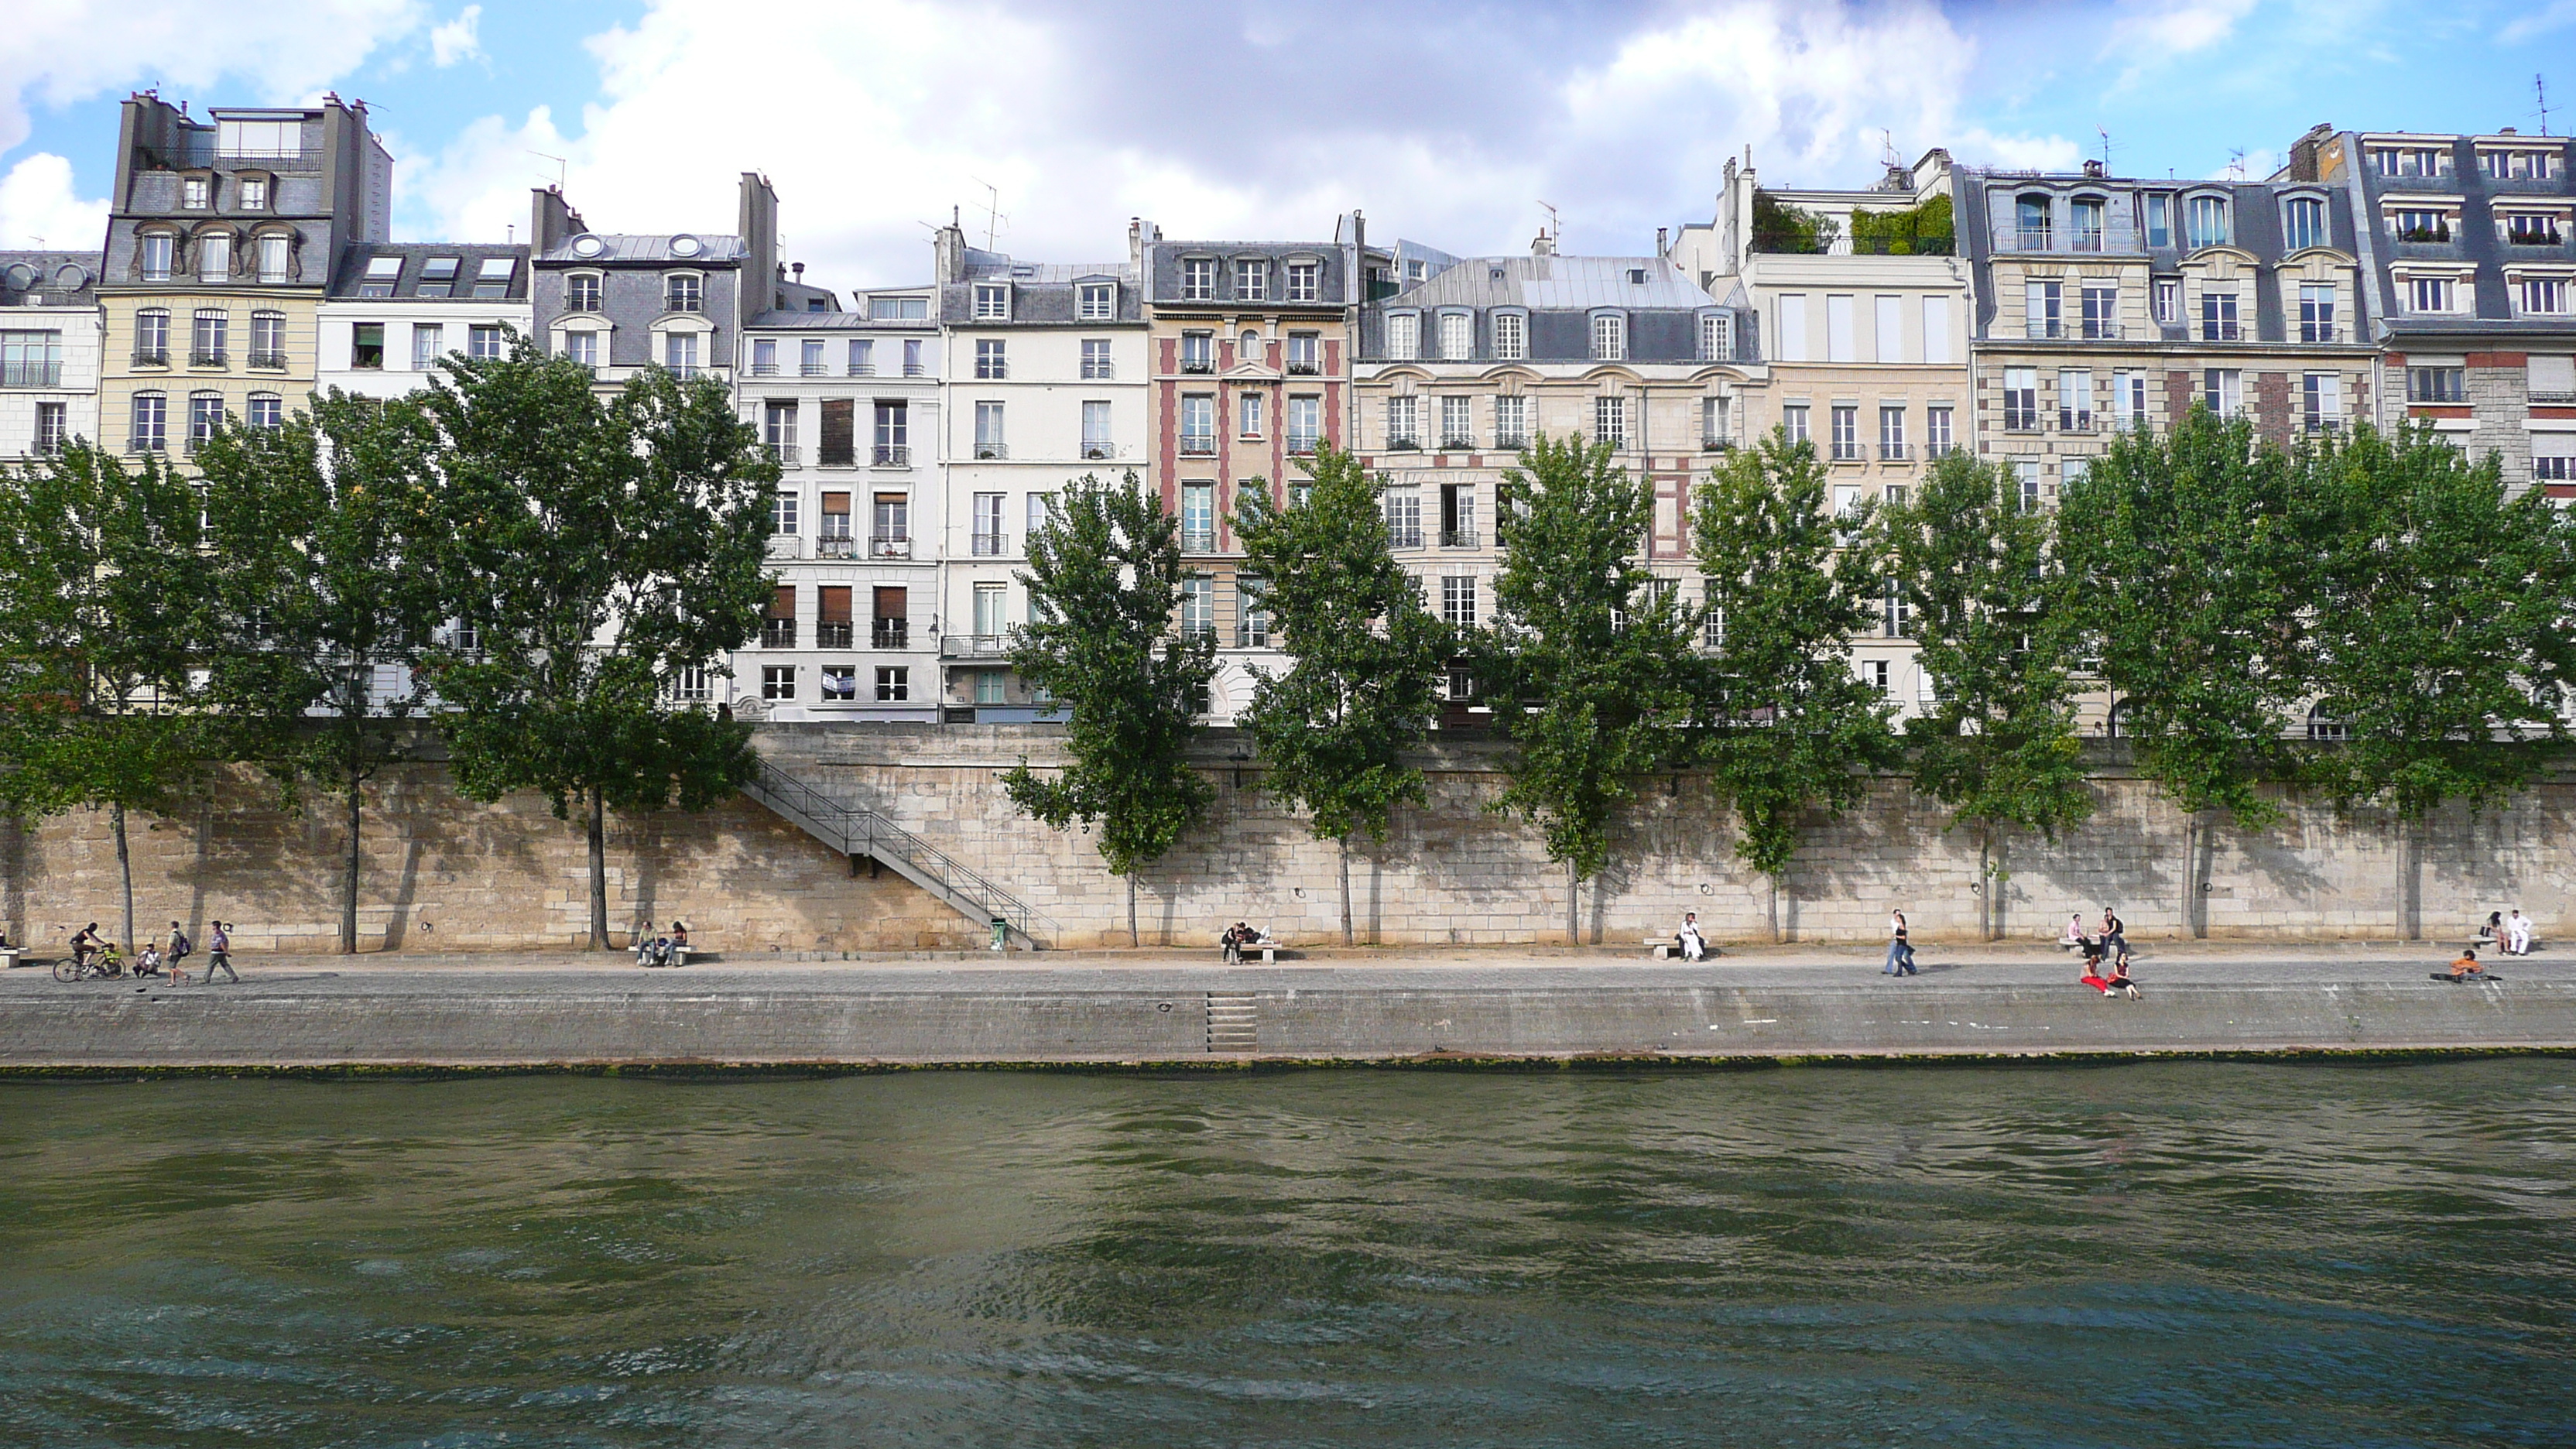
x: 856, y: 830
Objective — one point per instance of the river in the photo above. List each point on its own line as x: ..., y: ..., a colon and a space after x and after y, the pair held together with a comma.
x: 2152, y: 1254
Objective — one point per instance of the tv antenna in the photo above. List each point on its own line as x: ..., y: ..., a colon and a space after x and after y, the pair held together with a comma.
x: 993, y: 217
x: 1887, y: 153
x: 559, y: 167
x: 2236, y: 164
x: 1555, y: 228
x: 2540, y: 89
x: 2105, y: 133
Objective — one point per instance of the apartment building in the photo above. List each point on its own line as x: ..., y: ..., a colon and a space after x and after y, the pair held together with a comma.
x: 1860, y: 308
x: 222, y: 237
x: 1045, y: 383
x: 51, y: 338
x: 1248, y: 350
x: 618, y: 302
x: 395, y: 310
x: 2466, y: 249
x: 1459, y: 370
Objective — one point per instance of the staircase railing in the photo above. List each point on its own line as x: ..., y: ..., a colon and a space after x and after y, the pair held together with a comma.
x: 855, y: 830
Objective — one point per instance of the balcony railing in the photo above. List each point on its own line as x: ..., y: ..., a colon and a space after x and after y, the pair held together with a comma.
x: 272, y: 360
x: 975, y: 646
x: 681, y: 302
x: 1305, y: 369
x: 835, y: 545
x: 152, y: 357
x: 2037, y: 328
x: 893, y: 456
x: 147, y: 443
x: 2219, y: 331
x: 1403, y: 443
x: 1099, y: 372
x: 813, y: 369
x: 1402, y: 537
x: 842, y: 456
x: 2034, y: 239
x: 1510, y: 442
x: 44, y: 447
x: 777, y: 633
x: 2021, y: 419
x: 991, y: 452
x: 1894, y: 452
x: 916, y: 369
x: 1846, y: 452
x: 1198, y: 540
x: 862, y: 369
x: 31, y: 374
x: 1198, y: 445
x: 1198, y: 629
x: 1301, y: 444
x: 1252, y: 635
x: 1939, y: 450
x: 1459, y: 538
x: 992, y: 545
x: 1456, y: 443
x: 2316, y: 332
x: 2092, y: 331
x: 1197, y: 364
x: 2075, y: 420
x: 835, y: 634
x: 786, y: 545
x: 881, y: 547
x: 764, y: 369
x: 891, y: 634
x: 1097, y: 450
x: 783, y: 453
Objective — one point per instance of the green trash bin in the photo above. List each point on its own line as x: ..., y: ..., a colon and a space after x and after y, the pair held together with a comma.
x: 1001, y: 933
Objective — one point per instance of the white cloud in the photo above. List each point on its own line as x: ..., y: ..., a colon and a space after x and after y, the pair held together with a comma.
x: 458, y: 39
x: 2174, y: 27
x: 2556, y: 16
x: 64, y: 51
x: 39, y: 207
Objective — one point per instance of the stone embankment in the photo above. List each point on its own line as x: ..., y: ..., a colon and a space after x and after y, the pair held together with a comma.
x: 554, y: 1012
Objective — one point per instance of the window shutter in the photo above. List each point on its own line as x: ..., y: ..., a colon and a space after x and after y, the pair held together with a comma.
x: 840, y: 431
x: 782, y: 602
x: 890, y: 603
x: 835, y: 605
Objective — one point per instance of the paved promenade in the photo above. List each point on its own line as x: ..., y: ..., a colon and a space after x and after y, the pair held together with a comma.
x: 536, y: 1009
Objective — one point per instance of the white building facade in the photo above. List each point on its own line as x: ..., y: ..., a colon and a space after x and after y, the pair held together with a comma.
x: 395, y: 311
x: 51, y: 333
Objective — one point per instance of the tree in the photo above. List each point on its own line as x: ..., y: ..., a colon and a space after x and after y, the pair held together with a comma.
x: 1104, y: 578
x: 2442, y: 643
x: 1990, y: 617
x: 319, y: 605
x: 592, y: 552
x: 2186, y: 578
x: 1790, y: 726
x: 98, y: 624
x: 1363, y: 652
x: 1590, y: 658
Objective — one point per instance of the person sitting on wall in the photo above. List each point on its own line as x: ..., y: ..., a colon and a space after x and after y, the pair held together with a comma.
x: 2074, y: 935
x: 1688, y: 943
x: 680, y: 935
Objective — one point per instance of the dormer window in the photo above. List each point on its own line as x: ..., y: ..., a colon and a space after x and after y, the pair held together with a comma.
x: 1302, y: 281
x: 1511, y: 336
x: 2031, y: 224
x: 1198, y: 279
x: 1403, y: 336
x: 437, y: 278
x: 1609, y: 336
x: 194, y: 191
x: 276, y: 252
x: 1457, y: 336
x: 1098, y: 301
x: 2518, y: 165
x: 254, y: 193
x: 494, y: 280
x: 157, y: 248
x: 684, y: 292
x: 581, y: 292
x: 2420, y: 225
x: 1252, y: 280
x: 382, y: 273
x: 214, y: 257
x: 992, y: 301
x: 1636, y: 276
x: 2085, y: 221
x: 2303, y: 223
x: 2205, y: 222
x: 2410, y: 160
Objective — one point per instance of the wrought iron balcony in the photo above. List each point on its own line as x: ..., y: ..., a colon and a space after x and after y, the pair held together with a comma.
x: 2219, y: 331
x: 1198, y: 364
x: 204, y: 358
x: 1894, y: 452
x: 2091, y: 330
x: 2075, y: 420
x: 813, y: 369
x: 1846, y: 452
x: 991, y: 452
x: 1456, y: 443
x: 891, y: 634
x: 842, y: 455
x: 835, y: 634
x: 764, y: 369
x: 890, y: 547
x: 1198, y: 445
x: 992, y: 545
x: 147, y: 443
x: 784, y: 453
x: 1305, y: 369
x: 274, y: 361
x: 1252, y: 635
x: 1403, y: 443
x: 1198, y: 540
x: 1510, y: 442
x: 836, y: 545
x: 1713, y: 443
x: 777, y: 633
x: 683, y: 302
x: 1400, y: 536
x: 1460, y: 538
x: 152, y: 357
x: 2041, y: 328
x: 893, y: 456
x: 976, y: 646
x: 1097, y: 450
x: 916, y: 369
x: 1301, y: 444
x: 862, y: 369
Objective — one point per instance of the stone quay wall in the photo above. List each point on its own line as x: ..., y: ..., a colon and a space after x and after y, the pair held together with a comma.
x: 442, y: 873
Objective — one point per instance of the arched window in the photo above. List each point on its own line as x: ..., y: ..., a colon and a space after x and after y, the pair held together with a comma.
x: 2205, y: 222
x: 2324, y: 726
x: 2031, y: 221
x: 2303, y: 223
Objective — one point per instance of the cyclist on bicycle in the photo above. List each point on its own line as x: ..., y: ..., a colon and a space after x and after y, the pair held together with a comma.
x: 85, y: 944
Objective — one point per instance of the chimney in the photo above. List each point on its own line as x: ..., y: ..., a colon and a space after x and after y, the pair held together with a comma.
x: 1663, y: 241
x: 1136, y: 241
x: 757, y: 224
x: 799, y: 269
x: 1542, y: 245
x: 948, y: 250
x: 551, y: 221
x: 2094, y: 169
x: 2303, y: 152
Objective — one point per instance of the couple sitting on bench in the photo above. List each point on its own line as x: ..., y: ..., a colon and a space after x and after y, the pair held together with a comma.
x: 1239, y: 937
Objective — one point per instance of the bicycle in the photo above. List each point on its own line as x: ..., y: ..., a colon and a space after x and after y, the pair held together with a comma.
x: 99, y: 965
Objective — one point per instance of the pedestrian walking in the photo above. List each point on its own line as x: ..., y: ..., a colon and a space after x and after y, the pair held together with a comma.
x: 1900, y: 951
x: 219, y: 954
x: 179, y: 950
x: 2517, y: 934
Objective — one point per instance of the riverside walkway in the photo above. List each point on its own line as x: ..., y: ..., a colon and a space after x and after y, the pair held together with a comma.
x: 1165, y: 1006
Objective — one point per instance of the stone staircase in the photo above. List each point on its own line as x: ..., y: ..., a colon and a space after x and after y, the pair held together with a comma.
x: 1233, y: 1021
x: 859, y: 832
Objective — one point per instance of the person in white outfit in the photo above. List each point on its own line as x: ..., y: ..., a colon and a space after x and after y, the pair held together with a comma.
x: 1694, y: 946
x: 2517, y: 934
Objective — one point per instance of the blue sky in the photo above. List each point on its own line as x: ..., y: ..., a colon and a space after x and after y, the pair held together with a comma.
x: 1447, y: 123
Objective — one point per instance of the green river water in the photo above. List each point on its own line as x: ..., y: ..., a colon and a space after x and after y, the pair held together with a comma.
x: 2173, y: 1254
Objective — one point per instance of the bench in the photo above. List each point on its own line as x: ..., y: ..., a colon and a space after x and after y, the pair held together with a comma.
x: 1267, y: 946
x: 9, y: 957
x: 1663, y: 949
x: 2498, y: 946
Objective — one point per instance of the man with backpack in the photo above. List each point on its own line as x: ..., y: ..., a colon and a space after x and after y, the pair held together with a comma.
x: 179, y: 950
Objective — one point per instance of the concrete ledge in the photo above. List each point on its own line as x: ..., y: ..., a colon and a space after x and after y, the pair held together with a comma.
x: 488, y: 1024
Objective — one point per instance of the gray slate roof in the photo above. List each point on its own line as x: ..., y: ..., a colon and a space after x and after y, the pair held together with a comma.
x: 44, y: 273
x: 351, y: 274
x: 1559, y: 283
x: 719, y: 250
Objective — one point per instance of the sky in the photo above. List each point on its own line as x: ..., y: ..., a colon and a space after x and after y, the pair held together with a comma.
x: 1049, y: 123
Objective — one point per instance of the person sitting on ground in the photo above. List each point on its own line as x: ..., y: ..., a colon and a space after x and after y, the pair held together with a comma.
x: 1687, y: 942
x: 147, y: 962
x: 2119, y: 980
x: 2465, y: 969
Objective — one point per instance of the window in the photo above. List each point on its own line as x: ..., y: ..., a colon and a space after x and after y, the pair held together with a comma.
x: 1251, y: 280
x: 893, y: 434
x: 2411, y: 160
x: 2043, y: 309
x: 367, y: 346
x: 1095, y: 360
x: 1610, y: 421
x: 1936, y: 330
x: 2021, y: 399
x: 1198, y: 607
x: 53, y: 427
x: 1403, y: 423
x: 1457, y: 336
x: 2436, y: 385
x: 193, y: 192
x: 891, y: 528
x: 1304, y: 280
x: 2222, y: 390
x: 152, y: 335
x: 764, y: 357
x: 2205, y: 221
x: 157, y: 247
x: 862, y: 359
x: 268, y: 339
x: 894, y: 683
x: 1198, y: 517
x: 483, y: 340
x: 260, y: 140
x: 990, y: 686
x: 214, y: 258
x: 1891, y: 432
x: 1458, y: 515
x: 1793, y: 422
x: 2518, y: 165
x: 1252, y: 613
x: 912, y: 363
x: 989, y: 439
x: 2420, y: 226
x: 2531, y: 229
x: 1096, y: 301
x: 1198, y: 352
x: 1038, y: 503
x: 582, y: 347
x: 581, y: 292
x: 1457, y: 422
x: 1609, y: 336
x: 840, y: 683
x: 1888, y: 329
x: 2545, y: 468
x: 2031, y: 229
x: 2101, y: 316
x: 1404, y: 517
x: 2218, y: 316
x: 2321, y: 401
x: 2429, y: 294
x: 2086, y: 214
x: 1716, y: 337
x: 1247, y: 348
x: 684, y: 292
x: 898, y: 309
x: 1793, y: 327
x: 1511, y: 336
x: 1097, y: 440
x: 2129, y: 400
x: 1305, y: 423
x: 2303, y: 223
x: 810, y: 358
x: 1198, y: 279
x: 2316, y: 313
x: 2072, y: 471
x: 427, y: 342
x: 782, y: 513
x: 492, y: 280
x: 274, y: 251
x: 1716, y: 423
x: 205, y: 416
x: 1458, y: 601
x: 832, y: 526
x: 992, y: 301
x: 1896, y: 615
x: 1838, y: 330
x: 2168, y: 300
x: 1937, y: 434
x: 680, y: 353
x: 778, y: 681
x: 778, y: 429
x: 31, y: 359
x: 2074, y: 400
x: 150, y: 432
x: 1846, y: 434
x: 2542, y: 296
x: 1305, y: 354
x: 267, y: 410
x: 992, y: 364
x: 1198, y: 423
x: 1511, y: 423
x: 2323, y: 725
x: 1247, y: 414
x: 1403, y: 336
x: 381, y: 275
x: 2026, y: 481
x: 992, y: 607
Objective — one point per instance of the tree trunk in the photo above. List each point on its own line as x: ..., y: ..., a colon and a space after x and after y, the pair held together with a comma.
x: 2410, y: 879
x: 349, y: 880
x: 1774, y: 908
x: 2195, y: 910
x: 1347, y: 938
x: 124, y: 875
x: 1985, y: 882
x: 1995, y: 920
x: 1573, y: 906
x: 1132, y: 938
x: 598, y: 870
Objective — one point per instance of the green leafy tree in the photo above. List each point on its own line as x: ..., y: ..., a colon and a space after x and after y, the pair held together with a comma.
x: 1104, y: 578
x: 99, y: 618
x: 1362, y: 649
x: 1790, y: 726
x: 1922, y: 231
x: 592, y: 549
x: 1590, y: 658
x: 2187, y: 576
x: 1781, y: 227
x: 2441, y: 629
x: 1991, y: 619
x: 319, y: 605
